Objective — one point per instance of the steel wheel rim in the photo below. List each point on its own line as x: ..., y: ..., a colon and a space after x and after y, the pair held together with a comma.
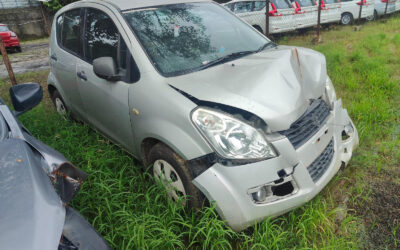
x: 60, y: 107
x: 170, y: 179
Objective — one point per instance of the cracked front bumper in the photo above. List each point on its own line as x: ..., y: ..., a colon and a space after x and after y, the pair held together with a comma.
x: 231, y: 187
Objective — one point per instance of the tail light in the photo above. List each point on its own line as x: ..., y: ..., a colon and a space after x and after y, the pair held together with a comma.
x: 13, y: 34
x: 364, y: 2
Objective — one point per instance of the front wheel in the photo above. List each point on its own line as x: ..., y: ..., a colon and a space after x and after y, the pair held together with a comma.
x: 347, y: 18
x: 175, y: 176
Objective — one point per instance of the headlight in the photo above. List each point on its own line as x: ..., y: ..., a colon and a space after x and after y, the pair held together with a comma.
x: 330, y: 92
x: 230, y: 137
x: 13, y: 34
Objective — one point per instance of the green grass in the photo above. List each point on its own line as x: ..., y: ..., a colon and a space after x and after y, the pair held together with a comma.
x: 125, y: 206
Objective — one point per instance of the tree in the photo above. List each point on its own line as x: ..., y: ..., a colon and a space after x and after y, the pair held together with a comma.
x: 55, y: 5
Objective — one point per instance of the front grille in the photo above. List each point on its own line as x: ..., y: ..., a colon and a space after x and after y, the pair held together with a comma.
x: 308, y: 124
x: 321, y: 164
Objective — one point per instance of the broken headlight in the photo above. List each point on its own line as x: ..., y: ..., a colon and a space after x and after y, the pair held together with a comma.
x: 230, y: 137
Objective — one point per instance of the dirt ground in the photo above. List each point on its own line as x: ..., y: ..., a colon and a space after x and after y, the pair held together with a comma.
x: 34, y: 57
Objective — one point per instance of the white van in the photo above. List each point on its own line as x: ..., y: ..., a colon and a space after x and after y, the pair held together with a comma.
x: 281, y: 14
x: 351, y: 8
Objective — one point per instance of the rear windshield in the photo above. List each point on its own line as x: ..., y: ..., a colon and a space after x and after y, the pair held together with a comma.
x: 282, y: 4
x: 305, y: 3
x: 3, y: 28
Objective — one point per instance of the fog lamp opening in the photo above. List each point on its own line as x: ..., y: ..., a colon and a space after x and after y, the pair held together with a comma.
x: 347, y: 132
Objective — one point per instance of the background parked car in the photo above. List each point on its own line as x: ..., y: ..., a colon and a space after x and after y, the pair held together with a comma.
x: 380, y: 7
x: 36, y: 185
x: 350, y: 10
x: 281, y: 14
x: 10, y: 39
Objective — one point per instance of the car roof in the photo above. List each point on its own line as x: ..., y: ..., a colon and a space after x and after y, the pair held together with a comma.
x: 136, y: 4
x: 2, y: 24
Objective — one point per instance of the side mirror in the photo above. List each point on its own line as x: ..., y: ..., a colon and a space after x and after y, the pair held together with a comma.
x: 25, y: 97
x: 105, y: 67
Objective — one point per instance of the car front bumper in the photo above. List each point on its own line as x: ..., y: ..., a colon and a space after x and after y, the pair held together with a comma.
x: 232, y: 187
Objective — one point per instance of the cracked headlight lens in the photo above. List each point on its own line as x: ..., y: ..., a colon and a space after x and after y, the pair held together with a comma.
x: 230, y: 137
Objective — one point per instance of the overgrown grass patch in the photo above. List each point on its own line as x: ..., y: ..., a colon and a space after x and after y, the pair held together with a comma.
x: 130, y: 211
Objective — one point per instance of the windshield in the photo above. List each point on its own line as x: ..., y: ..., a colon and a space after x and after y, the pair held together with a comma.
x: 3, y: 28
x: 180, y: 38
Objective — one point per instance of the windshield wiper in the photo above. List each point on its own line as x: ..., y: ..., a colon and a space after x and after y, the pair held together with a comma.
x: 266, y: 45
x: 233, y: 56
x: 226, y: 58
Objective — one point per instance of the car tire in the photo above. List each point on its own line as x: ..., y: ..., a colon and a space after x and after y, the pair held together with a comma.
x: 175, y: 176
x: 346, y: 19
x: 59, y: 104
x: 258, y: 28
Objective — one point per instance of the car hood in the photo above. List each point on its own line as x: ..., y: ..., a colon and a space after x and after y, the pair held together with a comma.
x: 276, y: 84
x: 31, y: 213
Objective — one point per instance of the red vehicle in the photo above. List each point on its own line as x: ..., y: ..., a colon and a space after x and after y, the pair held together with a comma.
x: 10, y: 39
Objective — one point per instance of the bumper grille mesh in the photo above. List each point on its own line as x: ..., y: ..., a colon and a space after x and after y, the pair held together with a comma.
x: 308, y: 124
x: 322, y: 163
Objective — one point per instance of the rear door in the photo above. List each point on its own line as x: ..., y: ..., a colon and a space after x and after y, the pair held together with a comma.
x: 65, y: 48
x: 305, y: 13
x: 106, y: 103
x: 281, y: 16
x: 330, y: 11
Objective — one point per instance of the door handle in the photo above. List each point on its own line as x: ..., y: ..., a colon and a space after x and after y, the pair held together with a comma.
x: 82, y: 75
x: 53, y: 57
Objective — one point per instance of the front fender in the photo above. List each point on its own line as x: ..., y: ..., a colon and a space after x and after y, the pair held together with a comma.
x: 188, y: 146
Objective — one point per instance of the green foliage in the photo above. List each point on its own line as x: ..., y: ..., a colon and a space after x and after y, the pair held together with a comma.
x: 55, y: 5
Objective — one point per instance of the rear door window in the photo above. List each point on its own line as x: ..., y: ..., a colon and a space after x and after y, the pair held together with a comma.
x: 259, y: 5
x: 305, y: 3
x: 71, y: 31
x: 282, y: 4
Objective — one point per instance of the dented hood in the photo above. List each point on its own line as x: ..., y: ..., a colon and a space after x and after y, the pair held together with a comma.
x: 276, y: 84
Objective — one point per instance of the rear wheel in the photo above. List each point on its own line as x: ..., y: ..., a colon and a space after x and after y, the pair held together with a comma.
x: 259, y: 29
x: 59, y: 104
x: 347, y: 18
x: 175, y: 176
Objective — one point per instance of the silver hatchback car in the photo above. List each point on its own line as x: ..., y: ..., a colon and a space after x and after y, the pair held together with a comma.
x: 219, y: 111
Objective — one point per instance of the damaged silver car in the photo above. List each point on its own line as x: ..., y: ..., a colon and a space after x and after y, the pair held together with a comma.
x: 36, y: 185
x: 220, y: 112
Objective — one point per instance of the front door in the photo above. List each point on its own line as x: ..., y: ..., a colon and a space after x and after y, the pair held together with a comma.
x: 106, y: 102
